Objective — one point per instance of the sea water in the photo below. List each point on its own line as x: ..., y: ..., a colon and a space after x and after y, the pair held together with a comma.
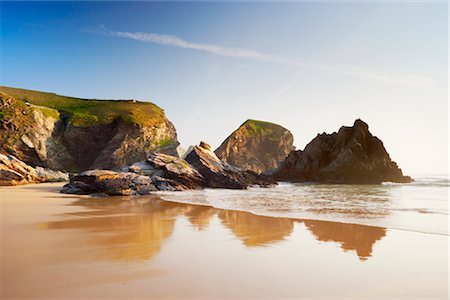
x: 421, y: 206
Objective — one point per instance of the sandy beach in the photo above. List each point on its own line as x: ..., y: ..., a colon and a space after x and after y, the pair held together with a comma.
x: 59, y: 246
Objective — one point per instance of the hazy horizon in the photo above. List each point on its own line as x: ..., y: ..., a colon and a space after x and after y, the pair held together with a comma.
x: 310, y: 67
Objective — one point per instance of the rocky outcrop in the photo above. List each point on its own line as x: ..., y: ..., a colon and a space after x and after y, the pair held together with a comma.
x: 160, y: 172
x: 169, y: 167
x: 109, y: 182
x: 74, y: 134
x: 14, y: 172
x: 257, y: 146
x: 351, y: 155
x: 219, y: 174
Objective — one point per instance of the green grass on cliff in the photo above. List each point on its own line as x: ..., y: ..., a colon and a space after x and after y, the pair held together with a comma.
x: 166, y: 142
x: 85, y: 112
x: 5, y: 115
x: 47, y: 112
x: 259, y: 128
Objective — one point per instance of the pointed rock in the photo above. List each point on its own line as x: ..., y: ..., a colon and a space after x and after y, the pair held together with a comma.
x: 219, y: 174
x: 352, y: 155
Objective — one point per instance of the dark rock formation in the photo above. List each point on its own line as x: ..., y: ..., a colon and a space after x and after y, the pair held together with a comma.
x: 257, y: 146
x: 352, y: 155
x: 14, y: 172
x: 219, y: 174
x: 74, y: 134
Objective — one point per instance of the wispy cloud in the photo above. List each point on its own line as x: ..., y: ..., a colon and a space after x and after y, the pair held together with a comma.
x: 175, y: 41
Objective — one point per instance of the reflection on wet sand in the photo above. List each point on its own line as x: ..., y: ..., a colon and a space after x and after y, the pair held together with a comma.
x: 136, y: 229
x: 255, y: 230
x: 125, y: 230
x: 351, y: 236
x: 200, y: 216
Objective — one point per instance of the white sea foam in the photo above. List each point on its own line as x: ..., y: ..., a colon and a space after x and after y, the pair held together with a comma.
x: 418, y: 206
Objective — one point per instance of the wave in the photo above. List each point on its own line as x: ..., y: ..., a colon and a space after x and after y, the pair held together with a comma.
x: 416, y: 207
x: 423, y: 182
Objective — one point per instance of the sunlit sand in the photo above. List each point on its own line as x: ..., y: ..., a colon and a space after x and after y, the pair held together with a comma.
x: 59, y: 246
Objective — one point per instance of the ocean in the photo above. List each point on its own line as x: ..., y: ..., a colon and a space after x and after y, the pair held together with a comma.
x: 420, y: 206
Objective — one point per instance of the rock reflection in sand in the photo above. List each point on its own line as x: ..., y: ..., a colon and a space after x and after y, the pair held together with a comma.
x: 136, y: 229
x: 125, y: 230
x: 255, y: 230
x: 351, y: 236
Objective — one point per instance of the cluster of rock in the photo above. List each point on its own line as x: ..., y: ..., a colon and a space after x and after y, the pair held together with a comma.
x: 33, y: 133
x: 351, y: 155
x: 162, y: 172
x: 14, y: 171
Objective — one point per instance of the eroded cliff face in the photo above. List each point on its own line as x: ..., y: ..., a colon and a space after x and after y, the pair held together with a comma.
x: 117, y: 144
x: 26, y: 132
x: 257, y: 146
x: 351, y: 155
x: 42, y: 136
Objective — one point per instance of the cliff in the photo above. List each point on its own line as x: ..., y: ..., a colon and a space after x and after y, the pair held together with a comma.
x: 73, y: 134
x: 256, y: 146
x: 351, y: 155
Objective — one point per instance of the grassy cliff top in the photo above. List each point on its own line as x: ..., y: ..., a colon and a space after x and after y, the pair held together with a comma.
x: 259, y: 128
x: 92, y: 111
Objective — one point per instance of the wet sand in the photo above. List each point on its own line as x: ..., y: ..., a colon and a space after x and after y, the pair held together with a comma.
x: 60, y: 246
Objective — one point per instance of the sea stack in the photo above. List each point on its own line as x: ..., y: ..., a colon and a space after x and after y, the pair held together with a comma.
x: 351, y: 155
x: 257, y: 146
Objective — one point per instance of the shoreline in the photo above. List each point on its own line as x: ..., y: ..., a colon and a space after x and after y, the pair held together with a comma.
x: 62, y: 246
x: 160, y: 195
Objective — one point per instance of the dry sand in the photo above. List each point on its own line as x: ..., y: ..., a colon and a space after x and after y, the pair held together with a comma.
x: 60, y: 246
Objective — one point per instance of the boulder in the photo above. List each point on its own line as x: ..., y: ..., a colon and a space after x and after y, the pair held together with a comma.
x: 219, y: 174
x: 257, y: 146
x: 48, y: 175
x: 109, y: 182
x: 14, y: 171
x: 177, y: 169
x: 351, y: 155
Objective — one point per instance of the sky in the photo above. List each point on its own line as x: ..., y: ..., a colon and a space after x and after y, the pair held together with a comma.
x: 308, y: 66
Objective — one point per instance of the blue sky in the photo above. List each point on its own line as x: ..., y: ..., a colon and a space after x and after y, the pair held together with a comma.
x: 310, y: 67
